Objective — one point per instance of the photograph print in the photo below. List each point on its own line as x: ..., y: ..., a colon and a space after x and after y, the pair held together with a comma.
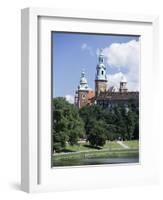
x: 95, y: 99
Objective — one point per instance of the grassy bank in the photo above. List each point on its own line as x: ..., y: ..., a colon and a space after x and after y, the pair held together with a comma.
x: 110, y: 150
x: 97, y: 154
x: 87, y: 147
x: 132, y: 144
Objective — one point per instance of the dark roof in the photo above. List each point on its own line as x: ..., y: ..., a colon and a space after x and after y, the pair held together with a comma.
x: 117, y: 95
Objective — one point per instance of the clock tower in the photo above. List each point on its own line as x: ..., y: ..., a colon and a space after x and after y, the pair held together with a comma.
x: 101, y: 79
x: 83, y: 91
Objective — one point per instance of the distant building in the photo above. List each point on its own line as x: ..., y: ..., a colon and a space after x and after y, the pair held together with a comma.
x: 104, y: 95
x: 84, y: 94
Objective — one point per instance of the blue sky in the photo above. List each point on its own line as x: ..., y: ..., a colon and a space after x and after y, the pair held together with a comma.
x: 73, y: 52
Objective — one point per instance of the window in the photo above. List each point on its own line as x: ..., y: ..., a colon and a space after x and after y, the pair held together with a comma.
x: 83, y: 96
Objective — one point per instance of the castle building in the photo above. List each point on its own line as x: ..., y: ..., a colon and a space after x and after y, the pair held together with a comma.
x: 104, y: 95
x: 84, y: 94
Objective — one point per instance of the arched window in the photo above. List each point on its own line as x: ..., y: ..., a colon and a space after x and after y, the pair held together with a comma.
x: 102, y: 72
x: 83, y: 96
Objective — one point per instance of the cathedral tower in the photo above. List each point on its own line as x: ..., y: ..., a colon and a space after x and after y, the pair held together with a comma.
x: 101, y: 79
x: 83, y: 91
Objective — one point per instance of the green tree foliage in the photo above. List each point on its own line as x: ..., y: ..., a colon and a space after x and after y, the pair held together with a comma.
x: 98, y: 133
x: 93, y: 123
x: 67, y: 124
x: 121, y: 121
x: 89, y: 114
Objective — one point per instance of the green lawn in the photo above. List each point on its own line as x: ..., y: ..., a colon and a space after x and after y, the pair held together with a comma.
x: 110, y: 145
x: 79, y: 147
x: 109, y: 150
x: 85, y: 147
x: 97, y: 154
x: 132, y: 144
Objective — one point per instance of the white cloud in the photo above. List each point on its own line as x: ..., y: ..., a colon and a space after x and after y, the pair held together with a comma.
x: 114, y: 79
x: 124, y: 57
x: 86, y: 47
x: 123, y: 54
x: 70, y: 98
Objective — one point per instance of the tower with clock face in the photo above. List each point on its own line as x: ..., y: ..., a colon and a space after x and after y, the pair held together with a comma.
x: 101, y: 79
x: 83, y: 91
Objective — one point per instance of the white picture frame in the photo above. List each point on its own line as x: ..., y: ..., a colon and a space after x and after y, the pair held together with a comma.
x: 36, y: 171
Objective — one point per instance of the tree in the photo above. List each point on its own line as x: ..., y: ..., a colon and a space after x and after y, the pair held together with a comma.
x: 67, y: 124
x: 120, y: 120
x: 94, y: 123
x: 98, y: 133
x: 76, y: 131
x: 130, y: 123
x: 121, y: 128
x: 111, y: 132
x: 89, y: 114
x: 136, y: 131
x: 59, y: 140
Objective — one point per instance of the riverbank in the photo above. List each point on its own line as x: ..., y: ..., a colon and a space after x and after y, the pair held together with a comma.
x: 79, y: 154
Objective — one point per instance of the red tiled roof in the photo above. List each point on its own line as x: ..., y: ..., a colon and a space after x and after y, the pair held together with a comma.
x: 91, y: 94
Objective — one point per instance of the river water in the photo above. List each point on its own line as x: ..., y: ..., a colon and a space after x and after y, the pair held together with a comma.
x: 94, y: 161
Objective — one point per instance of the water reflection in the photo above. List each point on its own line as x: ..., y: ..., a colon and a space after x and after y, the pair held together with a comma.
x: 94, y: 161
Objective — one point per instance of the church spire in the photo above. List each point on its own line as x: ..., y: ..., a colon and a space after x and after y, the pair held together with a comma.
x: 101, y: 79
x: 83, y: 82
x: 101, y: 56
x: 101, y: 69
